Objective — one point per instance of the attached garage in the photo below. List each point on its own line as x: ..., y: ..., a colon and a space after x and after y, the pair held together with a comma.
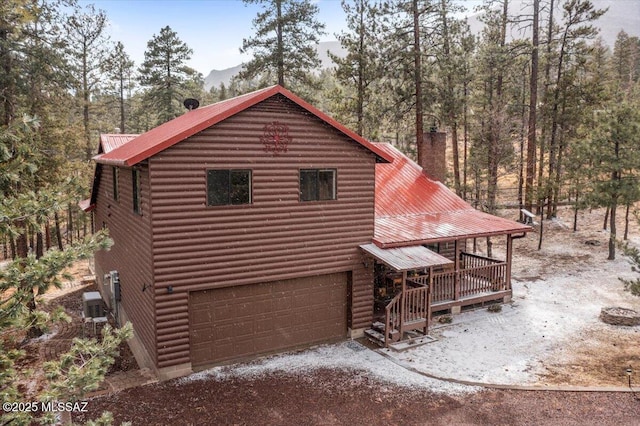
x: 242, y: 321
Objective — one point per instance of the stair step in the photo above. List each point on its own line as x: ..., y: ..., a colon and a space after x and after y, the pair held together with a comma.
x: 378, y: 325
x: 380, y: 328
x: 375, y: 336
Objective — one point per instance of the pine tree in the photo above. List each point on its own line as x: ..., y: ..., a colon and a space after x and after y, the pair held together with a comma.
x: 408, y: 26
x: 119, y: 68
x: 284, y: 44
x: 165, y: 74
x: 578, y: 18
x: 88, y: 48
x: 615, y: 175
x: 450, y: 59
x: 360, y: 71
x: 31, y: 275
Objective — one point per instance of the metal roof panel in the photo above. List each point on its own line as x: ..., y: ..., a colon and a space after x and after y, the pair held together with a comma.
x: 406, y: 258
x: 111, y: 141
x: 411, y: 208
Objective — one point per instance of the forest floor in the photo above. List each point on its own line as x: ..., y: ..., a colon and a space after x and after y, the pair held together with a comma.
x: 549, y: 337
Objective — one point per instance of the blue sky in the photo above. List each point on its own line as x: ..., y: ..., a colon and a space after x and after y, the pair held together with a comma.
x: 214, y: 29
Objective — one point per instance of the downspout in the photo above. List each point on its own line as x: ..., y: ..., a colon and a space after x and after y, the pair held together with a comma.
x: 510, y: 238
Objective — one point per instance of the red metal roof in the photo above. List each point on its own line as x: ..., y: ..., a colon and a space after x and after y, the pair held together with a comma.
x: 109, y: 142
x: 192, y: 122
x: 412, y: 209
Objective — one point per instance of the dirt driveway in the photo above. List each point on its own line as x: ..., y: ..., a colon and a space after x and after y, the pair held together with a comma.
x: 338, y: 397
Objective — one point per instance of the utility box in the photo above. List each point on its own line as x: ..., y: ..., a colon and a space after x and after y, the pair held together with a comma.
x: 92, y: 304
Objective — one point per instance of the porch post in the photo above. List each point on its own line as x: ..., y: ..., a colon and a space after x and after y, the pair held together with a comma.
x: 428, y: 301
x: 403, y: 302
x: 456, y: 279
x: 509, y: 254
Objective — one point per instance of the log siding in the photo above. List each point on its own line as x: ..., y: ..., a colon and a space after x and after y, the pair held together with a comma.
x: 276, y: 237
x: 130, y: 254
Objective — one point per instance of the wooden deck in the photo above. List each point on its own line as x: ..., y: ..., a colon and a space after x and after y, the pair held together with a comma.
x: 479, y: 279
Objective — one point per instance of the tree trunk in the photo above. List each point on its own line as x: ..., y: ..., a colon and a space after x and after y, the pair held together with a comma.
x: 626, y: 222
x: 449, y: 101
x: 361, y: 65
x: 541, y: 234
x: 6, y: 57
x: 47, y: 235
x: 69, y: 225
x: 456, y: 158
x: 466, y: 141
x: 122, y: 117
x: 495, y: 127
x: 543, y: 136
x: 533, y: 102
x: 14, y: 248
x: 280, y: 46
x: 39, y: 244
x: 606, y: 219
x: 22, y: 250
x: 521, y: 168
x: 417, y: 59
x: 575, y: 211
x: 58, y: 231
x: 612, y: 232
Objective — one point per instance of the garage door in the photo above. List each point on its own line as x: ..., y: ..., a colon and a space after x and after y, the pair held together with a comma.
x: 242, y: 321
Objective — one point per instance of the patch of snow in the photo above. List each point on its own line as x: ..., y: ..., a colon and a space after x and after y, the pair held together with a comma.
x: 558, y: 293
x: 349, y: 356
x: 554, y: 306
x: 45, y: 337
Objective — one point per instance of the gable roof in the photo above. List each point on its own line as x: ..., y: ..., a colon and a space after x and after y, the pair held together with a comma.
x: 411, y: 208
x: 166, y: 135
x: 111, y: 141
x: 108, y: 142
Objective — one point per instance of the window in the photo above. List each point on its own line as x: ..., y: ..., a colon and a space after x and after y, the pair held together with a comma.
x: 317, y: 184
x: 115, y: 172
x: 228, y: 187
x: 137, y: 195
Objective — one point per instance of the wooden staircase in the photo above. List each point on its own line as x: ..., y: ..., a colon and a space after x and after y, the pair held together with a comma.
x: 407, y: 313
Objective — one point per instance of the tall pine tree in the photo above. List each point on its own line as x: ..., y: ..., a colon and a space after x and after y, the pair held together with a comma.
x: 165, y: 75
x: 284, y: 45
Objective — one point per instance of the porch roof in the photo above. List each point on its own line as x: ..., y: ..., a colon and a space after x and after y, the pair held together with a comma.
x: 406, y: 258
x: 412, y: 209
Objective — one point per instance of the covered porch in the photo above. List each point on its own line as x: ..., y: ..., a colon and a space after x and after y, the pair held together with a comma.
x: 413, y: 282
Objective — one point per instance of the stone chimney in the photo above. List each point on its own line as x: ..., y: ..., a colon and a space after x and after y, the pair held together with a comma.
x: 431, y: 155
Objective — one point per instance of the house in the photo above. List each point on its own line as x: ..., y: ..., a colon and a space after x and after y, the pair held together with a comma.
x: 257, y: 224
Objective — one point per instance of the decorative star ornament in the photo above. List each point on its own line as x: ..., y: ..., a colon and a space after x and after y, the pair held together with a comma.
x: 275, y: 137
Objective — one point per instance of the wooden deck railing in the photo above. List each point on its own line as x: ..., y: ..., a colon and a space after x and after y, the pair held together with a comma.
x: 477, y: 275
x: 392, y: 318
x: 416, y: 305
x: 469, y: 260
x: 407, y: 312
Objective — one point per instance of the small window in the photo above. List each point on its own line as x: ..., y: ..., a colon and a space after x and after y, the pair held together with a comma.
x: 137, y: 193
x: 317, y: 184
x: 228, y: 187
x: 115, y: 173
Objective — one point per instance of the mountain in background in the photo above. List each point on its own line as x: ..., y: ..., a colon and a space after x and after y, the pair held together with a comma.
x: 622, y: 15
